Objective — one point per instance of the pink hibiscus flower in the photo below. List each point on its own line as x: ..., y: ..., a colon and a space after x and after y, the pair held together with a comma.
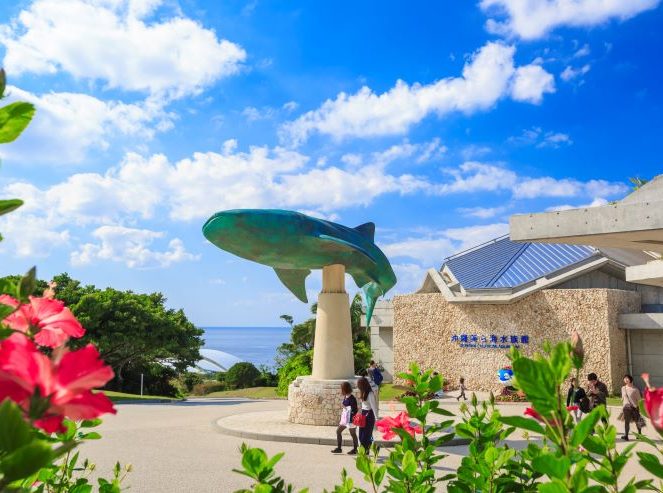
x: 51, y: 321
x: 59, y: 389
x: 402, y: 420
x: 654, y: 404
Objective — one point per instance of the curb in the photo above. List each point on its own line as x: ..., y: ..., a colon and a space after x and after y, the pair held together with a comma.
x: 149, y: 401
x: 266, y: 437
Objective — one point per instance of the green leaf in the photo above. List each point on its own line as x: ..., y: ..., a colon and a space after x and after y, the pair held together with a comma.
x: 91, y: 423
x: 585, y: 427
x: 409, y: 466
x: 14, y: 118
x: 9, y: 205
x: 524, y: 423
x: 3, y: 82
x: 554, y: 487
x: 91, y: 436
x: 651, y: 463
x: 14, y: 431
x: 26, y: 460
x: 28, y: 284
x: 554, y: 467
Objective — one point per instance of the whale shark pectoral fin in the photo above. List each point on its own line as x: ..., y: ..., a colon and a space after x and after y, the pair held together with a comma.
x: 346, y: 246
x: 295, y: 281
x: 367, y: 229
x: 372, y: 291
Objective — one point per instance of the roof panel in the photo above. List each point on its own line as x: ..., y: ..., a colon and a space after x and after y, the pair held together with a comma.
x: 505, y: 264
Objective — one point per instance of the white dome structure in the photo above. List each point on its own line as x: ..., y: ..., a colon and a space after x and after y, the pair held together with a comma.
x: 214, y: 361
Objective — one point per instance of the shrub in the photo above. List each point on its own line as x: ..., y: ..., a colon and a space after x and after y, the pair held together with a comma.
x: 242, y: 375
x: 294, y: 367
x: 563, y: 456
x: 207, y: 387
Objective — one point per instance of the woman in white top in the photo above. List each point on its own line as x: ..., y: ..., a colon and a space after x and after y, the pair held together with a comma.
x: 369, y: 408
x: 630, y: 400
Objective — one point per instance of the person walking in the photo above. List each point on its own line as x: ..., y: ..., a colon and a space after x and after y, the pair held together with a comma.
x: 597, y: 392
x: 369, y: 409
x: 577, y: 397
x: 366, y: 373
x: 630, y: 400
x: 376, y: 376
x: 462, y: 389
x: 349, y: 411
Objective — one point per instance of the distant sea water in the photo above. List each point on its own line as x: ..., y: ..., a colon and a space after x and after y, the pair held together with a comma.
x: 256, y: 345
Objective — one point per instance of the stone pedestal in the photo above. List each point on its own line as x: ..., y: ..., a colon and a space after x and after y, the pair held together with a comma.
x: 316, y: 400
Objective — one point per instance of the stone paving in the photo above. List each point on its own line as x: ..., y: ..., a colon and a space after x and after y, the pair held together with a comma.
x: 178, y: 447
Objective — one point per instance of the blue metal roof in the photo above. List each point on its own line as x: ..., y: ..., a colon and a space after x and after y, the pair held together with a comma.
x: 503, y: 263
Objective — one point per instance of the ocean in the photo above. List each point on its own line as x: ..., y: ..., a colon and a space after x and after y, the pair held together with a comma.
x: 256, y: 345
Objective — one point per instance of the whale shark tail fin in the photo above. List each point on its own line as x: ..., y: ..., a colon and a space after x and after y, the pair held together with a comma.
x: 372, y: 291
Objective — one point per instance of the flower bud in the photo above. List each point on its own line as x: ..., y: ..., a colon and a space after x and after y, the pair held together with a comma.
x: 577, y: 351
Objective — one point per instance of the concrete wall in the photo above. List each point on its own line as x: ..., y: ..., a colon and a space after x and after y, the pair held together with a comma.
x: 382, y: 344
x: 425, y: 323
x: 647, y: 354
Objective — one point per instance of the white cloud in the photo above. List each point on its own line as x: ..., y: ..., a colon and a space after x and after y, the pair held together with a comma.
x: 473, y: 176
x: 594, y: 203
x: 68, y: 125
x: 482, y: 212
x: 551, y: 187
x: 571, y: 73
x: 430, y: 249
x: 253, y: 114
x: 131, y: 247
x: 113, y: 41
x: 291, y: 106
x: 487, y: 77
x: 31, y: 235
x: 538, y: 137
x: 532, y: 19
x: 582, y: 51
x: 530, y: 83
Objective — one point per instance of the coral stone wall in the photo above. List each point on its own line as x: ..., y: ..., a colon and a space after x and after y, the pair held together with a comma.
x: 425, y: 323
x: 316, y: 402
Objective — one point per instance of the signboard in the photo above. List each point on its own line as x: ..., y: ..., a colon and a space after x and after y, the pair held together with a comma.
x: 493, y: 341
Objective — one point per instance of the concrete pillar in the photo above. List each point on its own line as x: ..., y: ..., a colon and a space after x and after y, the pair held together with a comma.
x: 332, y: 352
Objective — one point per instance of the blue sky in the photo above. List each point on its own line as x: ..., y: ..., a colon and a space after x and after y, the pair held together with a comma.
x: 435, y: 120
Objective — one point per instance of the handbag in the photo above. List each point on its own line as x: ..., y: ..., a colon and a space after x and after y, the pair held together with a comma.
x: 640, y: 421
x: 359, y: 420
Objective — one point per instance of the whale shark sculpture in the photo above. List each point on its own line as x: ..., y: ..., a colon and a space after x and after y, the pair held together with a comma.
x: 293, y: 244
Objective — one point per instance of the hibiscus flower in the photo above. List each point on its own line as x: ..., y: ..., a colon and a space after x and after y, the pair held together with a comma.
x: 654, y: 404
x: 52, y: 323
x: 49, y: 391
x: 402, y: 420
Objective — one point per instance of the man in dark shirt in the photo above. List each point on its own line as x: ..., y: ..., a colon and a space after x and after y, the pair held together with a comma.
x: 597, y: 392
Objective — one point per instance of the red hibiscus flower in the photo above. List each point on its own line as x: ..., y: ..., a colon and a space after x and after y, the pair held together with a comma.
x: 402, y: 420
x: 49, y: 391
x: 531, y: 412
x: 572, y: 408
x: 654, y: 404
x: 51, y: 321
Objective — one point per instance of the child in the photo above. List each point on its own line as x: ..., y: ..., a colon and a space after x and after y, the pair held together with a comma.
x: 462, y: 389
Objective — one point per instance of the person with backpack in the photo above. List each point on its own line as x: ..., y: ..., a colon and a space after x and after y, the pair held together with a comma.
x: 577, y: 397
x: 348, y: 413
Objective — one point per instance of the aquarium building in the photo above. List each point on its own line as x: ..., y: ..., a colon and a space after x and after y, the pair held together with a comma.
x: 539, y: 284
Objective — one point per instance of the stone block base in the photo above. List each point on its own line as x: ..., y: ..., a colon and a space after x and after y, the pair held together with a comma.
x: 316, y: 402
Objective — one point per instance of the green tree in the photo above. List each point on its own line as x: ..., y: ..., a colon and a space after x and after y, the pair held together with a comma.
x: 242, y: 375
x: 133, y: 329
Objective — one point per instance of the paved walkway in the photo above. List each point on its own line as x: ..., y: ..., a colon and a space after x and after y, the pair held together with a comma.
x: 177, y: 447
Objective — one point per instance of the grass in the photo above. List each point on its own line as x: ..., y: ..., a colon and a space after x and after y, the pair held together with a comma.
x: 388, y: 392
x: 250, y: 393
x: 123, y: 396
